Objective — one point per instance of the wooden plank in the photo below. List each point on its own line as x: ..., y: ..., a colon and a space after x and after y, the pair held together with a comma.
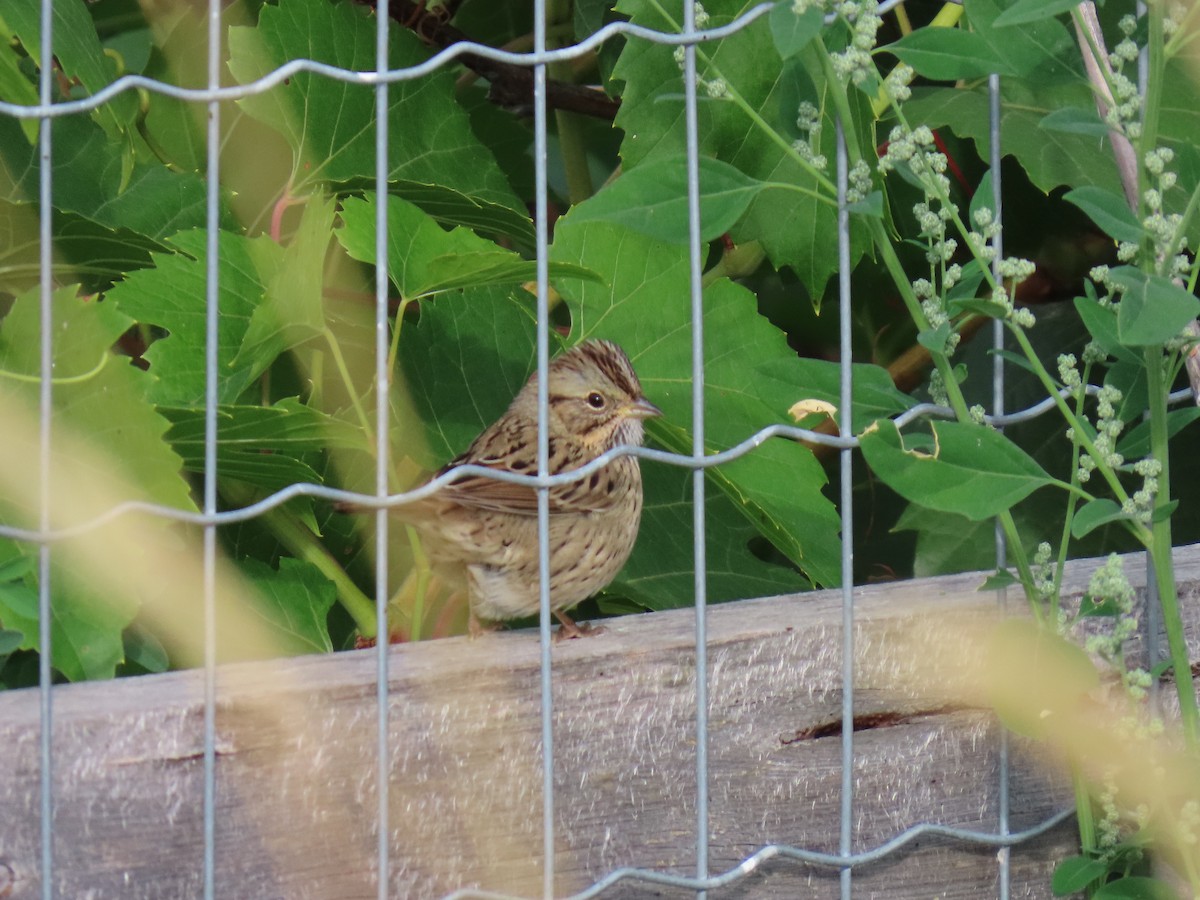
x: 296, y: 767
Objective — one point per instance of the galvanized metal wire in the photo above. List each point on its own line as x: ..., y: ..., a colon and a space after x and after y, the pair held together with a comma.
x: 210, y: 519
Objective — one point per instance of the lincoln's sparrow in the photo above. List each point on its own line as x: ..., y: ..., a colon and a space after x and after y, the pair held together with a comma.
x: 489, y: 527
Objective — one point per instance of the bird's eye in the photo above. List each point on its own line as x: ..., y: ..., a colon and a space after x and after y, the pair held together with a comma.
x: 595, y: 400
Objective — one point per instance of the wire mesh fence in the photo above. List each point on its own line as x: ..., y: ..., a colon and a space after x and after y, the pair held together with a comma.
x: 382, y: 79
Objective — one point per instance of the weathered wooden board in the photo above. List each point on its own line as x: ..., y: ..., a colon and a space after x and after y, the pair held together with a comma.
x: 296, y: 762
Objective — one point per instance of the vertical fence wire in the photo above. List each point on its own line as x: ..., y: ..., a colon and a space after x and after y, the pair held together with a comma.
x: 542, y: 236
x: 846, y: 469
x: 382, y: 454
x: 1004, y: 854
x: 699, y: 550
x: 46, y: 369
x: 211, y: 372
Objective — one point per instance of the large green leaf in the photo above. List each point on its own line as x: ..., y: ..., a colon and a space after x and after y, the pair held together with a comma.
x: 795, y: 230
x: 425, y: 259
x: 653, y: 199
x: 948, y: 54
x: 172, y: 296
x: 661, y: 572
x: 1044, y: 51
x: 1050, y: 158
x: 461, y: 364
x: 264, y: 446
x: 292, y: 310
x: 874, y: 393
x: 971, y: 470
x: 330, y: 124
x: 645, y: 308
x: 1109, y: 211
x: 90, y: 178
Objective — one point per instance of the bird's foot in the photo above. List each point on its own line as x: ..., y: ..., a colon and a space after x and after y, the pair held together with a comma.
x: 476, y: 627
x: 570, y: 629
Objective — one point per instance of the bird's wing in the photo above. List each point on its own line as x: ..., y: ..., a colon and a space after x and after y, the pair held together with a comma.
x: 590, y: 494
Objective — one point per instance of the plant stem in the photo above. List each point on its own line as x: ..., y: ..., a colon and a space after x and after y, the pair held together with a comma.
x: 1084, y: 815
x: 759, y: 122
x: 303, y: 544
x: 421, y: 567
x: 344, y: 372
x: 1160, y: 549
x: 1076, y: 425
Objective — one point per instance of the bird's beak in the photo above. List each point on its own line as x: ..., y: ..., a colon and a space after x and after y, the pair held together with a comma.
x: 642, y: 408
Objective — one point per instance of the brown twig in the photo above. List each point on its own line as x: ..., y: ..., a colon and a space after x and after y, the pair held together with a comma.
x: 511, y: 85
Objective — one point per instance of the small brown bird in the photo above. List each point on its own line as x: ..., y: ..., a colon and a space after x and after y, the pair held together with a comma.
x: 490, y: 527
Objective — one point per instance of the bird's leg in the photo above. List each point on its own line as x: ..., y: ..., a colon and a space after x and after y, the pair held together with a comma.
x: 570, y: 629
x: 476, y: 627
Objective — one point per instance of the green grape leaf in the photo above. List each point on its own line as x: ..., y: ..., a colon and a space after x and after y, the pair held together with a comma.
x: 260, y: 445
x: 653, y: 199
x: 461, y: 364
x: 172, y: 295
x: 292, y: 309
x: 329, y: 124
x: 424, y: 259
x: 77, y: 52
x: 90, y: 179
x: 295, y: 601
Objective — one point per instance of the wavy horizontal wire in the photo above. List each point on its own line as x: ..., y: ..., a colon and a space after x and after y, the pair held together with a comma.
x: 370, y: 501
x: 809, y: 857
x: 449, y: 54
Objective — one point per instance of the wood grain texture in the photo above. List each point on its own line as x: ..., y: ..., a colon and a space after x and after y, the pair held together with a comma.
x: 296, y: 769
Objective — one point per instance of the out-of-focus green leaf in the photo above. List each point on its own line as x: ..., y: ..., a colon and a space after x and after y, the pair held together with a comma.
x: 1025, y: 11
x: 1095, y: 513
x: 292, y: 309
